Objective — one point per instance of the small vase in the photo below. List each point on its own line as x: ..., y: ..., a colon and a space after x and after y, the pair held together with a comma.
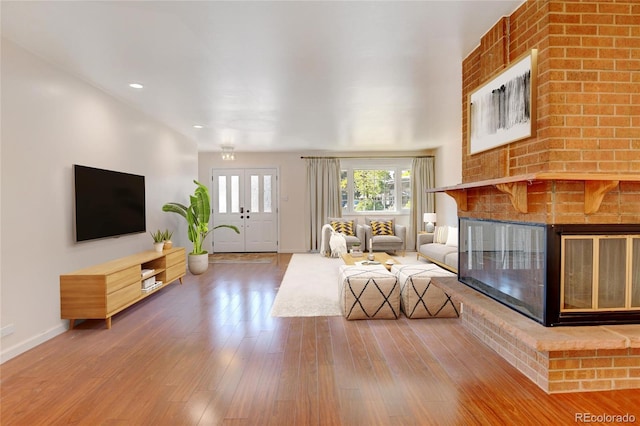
x: 168, y: 245
x: 158, y: 246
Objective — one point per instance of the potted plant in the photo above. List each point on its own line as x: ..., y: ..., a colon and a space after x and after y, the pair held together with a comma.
x: 197, y: 215
x: 158, y: 240
x: 167, y: 239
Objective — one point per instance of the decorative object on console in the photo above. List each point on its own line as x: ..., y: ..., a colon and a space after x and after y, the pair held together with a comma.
x: 197, y: 215
x: 430, y: 219
x: 167, y: 239
x: 158, y: 240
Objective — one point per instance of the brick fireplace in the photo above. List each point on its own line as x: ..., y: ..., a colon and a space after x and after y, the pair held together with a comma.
x: 580, y: 174
x: 572, y: 189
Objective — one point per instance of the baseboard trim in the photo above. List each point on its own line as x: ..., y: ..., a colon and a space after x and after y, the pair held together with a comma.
x: 31, y: 343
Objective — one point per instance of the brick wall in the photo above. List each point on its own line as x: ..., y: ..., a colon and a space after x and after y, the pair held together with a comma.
x: 588, y: 106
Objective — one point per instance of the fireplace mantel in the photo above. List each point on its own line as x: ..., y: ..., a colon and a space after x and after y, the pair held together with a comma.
x: 596, y: 186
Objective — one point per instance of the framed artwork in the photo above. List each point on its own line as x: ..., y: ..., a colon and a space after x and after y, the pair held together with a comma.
x: 503, y: 110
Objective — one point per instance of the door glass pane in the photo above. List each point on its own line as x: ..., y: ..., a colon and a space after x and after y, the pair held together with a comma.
x: 235, y: 194
x: 267, y: 193
x: 255, y: 194
x: 578, y: 273
x: 612, y: 276
x: 222, y: 194
x: 635, y: 274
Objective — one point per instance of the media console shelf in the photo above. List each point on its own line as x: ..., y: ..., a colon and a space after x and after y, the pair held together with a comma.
x: 101, y: 291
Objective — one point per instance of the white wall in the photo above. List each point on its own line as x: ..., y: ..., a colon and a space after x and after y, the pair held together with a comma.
x: 51, y: 120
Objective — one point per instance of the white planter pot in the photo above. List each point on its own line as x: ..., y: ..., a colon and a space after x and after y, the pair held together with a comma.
x: 198, y: 263
x: 159, y: 246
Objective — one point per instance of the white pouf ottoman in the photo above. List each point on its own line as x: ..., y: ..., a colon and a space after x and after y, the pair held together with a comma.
x: 368, y: 292
x: 418, y: 297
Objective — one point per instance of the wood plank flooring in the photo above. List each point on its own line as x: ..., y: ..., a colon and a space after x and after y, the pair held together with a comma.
x: 208, y: 353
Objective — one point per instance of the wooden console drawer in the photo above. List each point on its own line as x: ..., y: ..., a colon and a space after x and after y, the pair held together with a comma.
x: 122, y: 297
x: 123, y: 278
x: 176, y: 258
x: 175, y: 272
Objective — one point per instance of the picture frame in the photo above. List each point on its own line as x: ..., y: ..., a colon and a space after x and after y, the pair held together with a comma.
x: 503, y: 110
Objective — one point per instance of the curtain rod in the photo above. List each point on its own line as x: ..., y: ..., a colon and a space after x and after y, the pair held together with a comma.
x: 374, y: 158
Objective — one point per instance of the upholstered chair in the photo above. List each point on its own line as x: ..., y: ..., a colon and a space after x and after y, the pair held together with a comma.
x: 352, y: 231
x: 385, y: 235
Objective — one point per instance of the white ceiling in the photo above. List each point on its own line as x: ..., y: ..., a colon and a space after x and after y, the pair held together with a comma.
x: 266, y: 75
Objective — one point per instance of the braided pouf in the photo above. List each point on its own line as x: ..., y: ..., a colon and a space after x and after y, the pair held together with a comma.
x: 368, y: 292
x: 418, y: 297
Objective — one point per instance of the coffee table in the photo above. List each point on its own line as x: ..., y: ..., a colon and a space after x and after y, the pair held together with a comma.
x: 381, y: 257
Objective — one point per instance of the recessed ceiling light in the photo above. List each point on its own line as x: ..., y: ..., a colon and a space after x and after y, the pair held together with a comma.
x: 136, y: 85
x: 197, y: 126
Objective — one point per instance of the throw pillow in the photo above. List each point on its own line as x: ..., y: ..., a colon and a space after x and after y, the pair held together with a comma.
x: 440, y: 234
x: 343, y: 227
x: 382, y: 228
x: 452, y: 236
x: 368, y: 220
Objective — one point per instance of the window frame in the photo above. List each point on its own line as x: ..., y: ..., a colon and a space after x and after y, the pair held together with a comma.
x: 397, y: 165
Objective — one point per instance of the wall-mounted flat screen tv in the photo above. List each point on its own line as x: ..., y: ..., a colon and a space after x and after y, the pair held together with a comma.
x: 107, y: 203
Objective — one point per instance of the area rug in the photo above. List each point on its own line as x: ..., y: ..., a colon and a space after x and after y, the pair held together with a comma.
x: 242, y: 257
x: 310, y: 286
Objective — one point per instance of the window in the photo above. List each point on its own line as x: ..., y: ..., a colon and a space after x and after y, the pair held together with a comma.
x: 376, y: 186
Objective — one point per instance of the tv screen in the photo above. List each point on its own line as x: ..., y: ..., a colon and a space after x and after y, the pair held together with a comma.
x: 108, y: 203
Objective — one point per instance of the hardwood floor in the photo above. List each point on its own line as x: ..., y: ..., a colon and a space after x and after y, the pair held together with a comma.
x: 208, y: 352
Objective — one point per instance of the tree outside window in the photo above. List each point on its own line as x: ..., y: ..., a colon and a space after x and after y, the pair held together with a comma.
x: 375, y: 189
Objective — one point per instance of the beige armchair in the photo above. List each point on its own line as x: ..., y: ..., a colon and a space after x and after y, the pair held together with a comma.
x: 353, y: 233
x: 385, y: 235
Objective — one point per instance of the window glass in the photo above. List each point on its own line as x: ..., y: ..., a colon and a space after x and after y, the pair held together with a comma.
x: 612, y: 277
x: 635, y: 274
x: 578, y: 273
x: 406, y: 189
x: 371, y: 188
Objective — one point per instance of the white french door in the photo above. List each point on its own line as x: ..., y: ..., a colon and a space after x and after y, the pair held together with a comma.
x: 246, y: 198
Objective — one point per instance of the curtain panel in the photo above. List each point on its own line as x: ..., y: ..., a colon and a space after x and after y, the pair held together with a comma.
x: 323, y: 200
x: 422, y: 177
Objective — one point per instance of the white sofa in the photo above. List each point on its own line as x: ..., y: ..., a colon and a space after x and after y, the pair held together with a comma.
x: 440, y: 247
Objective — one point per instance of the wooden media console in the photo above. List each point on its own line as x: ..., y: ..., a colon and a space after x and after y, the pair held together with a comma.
x: 102, y: 291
